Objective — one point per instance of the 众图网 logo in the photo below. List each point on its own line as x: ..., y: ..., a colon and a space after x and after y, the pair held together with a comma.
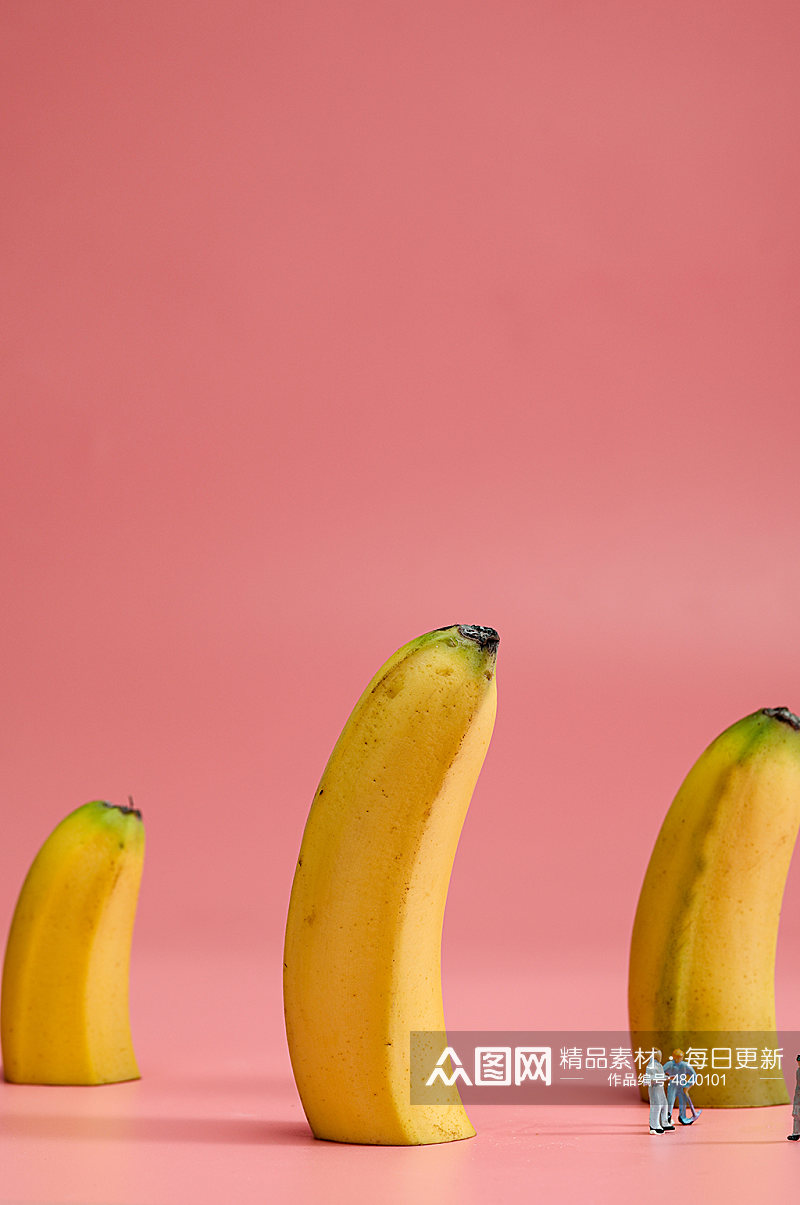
x: 494, y: 1066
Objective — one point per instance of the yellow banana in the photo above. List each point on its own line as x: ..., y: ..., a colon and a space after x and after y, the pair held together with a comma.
x: 64, y: 1009
x: 702, y: 954
x: 362, y: 957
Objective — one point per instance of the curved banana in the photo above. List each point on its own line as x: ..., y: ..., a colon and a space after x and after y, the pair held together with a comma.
x: 64, y: 1008
x: 363, y: 935
x: 702, y: 954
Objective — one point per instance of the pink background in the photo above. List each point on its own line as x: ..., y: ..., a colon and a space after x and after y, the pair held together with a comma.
x: 324, y: 325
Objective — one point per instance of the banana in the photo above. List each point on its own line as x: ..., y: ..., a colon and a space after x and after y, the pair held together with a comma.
x: 64, y: 1007
x: 702, y: 956
x: 362, y: 958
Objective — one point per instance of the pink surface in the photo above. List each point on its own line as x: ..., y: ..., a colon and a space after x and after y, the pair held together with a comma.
x: 216, y: 1118
x: 325, y: 325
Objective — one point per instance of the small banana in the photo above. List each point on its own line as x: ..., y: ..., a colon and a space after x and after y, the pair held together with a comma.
x: 362, y: 960
x: 702, y: 956
x: 64, y: 1007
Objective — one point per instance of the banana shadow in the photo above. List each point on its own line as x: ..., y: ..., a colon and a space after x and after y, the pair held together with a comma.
x: 559, y: 1093
x: 232, y: 1131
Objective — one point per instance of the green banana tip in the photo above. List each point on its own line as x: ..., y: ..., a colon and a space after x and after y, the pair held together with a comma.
x: 485, y: 638
x: 783, y: 715
x: 127, y: 810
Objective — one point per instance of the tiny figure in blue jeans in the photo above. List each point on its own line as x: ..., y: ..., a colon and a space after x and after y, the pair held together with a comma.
x: 694, y: 1112
x: 681, y: 1075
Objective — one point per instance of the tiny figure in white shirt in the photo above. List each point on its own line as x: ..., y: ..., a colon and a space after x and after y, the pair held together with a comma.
x: 654, y: 1078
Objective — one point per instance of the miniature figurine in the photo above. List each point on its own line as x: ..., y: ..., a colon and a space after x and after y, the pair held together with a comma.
x: 795, y: 1134
x: 694, y: 1112
x: 655, y: 1077
x: 681, y: 1076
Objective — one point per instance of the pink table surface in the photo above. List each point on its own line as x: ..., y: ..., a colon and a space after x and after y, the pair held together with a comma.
x: 215, y: 1116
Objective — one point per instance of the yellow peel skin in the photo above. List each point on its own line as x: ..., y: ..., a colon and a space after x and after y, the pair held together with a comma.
x: 64, y: 1008
x: 362, y: 960
x: 704, y: 936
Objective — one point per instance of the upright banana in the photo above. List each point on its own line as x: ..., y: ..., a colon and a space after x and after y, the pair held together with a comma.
x: 64, y: 1008
x: 702, y: 954
x: 363, y: 937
